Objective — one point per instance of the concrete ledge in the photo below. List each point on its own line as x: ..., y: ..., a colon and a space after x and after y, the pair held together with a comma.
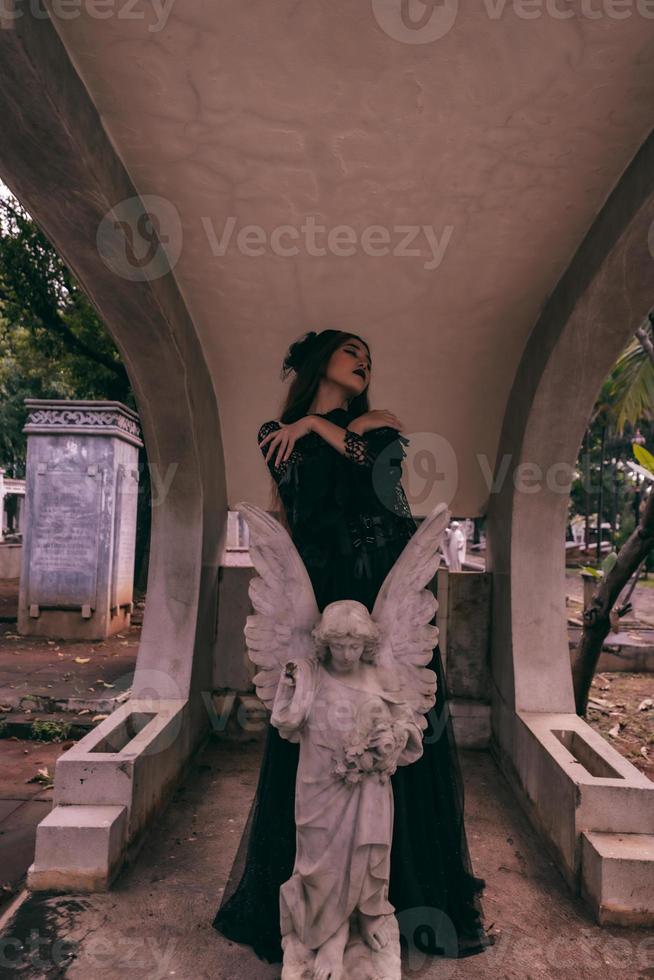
x: 129, y: 763
x: 617, y: 877
x: 78, y: 848
x: 128, y: 760
x: 571, y: 782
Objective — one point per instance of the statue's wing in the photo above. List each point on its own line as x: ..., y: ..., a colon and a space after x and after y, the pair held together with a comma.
x: 403, y: 609
x: 283, y: 599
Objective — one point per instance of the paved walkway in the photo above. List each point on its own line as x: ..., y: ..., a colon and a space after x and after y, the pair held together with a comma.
x: 22, y: 806
x: 156, y: 921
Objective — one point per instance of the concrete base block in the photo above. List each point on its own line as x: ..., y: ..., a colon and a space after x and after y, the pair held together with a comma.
x: 10, y: 559
x: 572, y: 780
x: 472, y: 723
x: 127, y: 765
x: 78, y: 848
x: 617, y: 877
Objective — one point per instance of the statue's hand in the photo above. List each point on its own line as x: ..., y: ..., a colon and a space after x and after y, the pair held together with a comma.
x: 290, y: 674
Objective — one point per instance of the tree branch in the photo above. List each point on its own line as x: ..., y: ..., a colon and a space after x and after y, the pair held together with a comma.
x: 596, y: 616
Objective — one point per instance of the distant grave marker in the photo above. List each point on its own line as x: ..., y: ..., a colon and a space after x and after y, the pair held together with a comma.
x: 80, y: 518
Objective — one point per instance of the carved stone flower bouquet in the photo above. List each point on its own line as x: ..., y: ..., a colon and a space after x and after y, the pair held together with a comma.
x: 372, y: 748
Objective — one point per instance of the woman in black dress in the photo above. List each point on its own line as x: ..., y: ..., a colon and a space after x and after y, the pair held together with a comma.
x: 336, y: 467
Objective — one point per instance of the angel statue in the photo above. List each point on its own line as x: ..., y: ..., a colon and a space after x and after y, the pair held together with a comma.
x: 352, y: 688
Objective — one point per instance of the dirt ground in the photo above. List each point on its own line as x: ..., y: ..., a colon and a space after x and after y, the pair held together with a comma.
x: 616, y: 716
x: 617, y: 696
x: 39, y: 674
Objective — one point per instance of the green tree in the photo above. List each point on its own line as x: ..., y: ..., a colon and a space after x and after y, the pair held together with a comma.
x: 625, y: 403
x: 53, y: 344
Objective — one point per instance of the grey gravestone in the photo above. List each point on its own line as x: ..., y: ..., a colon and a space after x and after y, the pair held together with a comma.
x: 80, y: 518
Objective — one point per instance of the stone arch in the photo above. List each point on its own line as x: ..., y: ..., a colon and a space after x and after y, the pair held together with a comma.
x: 589, y: 802
x: 59, y: 162
x: 598, y: 303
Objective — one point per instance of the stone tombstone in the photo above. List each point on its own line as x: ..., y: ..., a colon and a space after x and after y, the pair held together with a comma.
x: 465, y: 614
x: 80, y: 518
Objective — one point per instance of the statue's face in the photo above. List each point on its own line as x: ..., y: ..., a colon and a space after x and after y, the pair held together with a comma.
x: 345, y: 653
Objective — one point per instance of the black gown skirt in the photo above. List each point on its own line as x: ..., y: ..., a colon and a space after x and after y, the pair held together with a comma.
x: 432, y: 886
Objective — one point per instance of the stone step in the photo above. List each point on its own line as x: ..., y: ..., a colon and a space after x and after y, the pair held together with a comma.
x: 617, y: 877
x: 78, y: 848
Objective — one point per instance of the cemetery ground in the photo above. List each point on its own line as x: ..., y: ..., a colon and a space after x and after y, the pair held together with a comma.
x: 155, y: 921
x: 621, y: 703
x: 51, y: 693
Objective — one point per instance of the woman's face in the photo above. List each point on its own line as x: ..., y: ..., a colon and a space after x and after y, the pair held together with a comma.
x: 350, y: 367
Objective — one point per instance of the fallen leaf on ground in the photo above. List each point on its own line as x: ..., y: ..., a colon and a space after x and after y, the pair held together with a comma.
x: 42, y: 776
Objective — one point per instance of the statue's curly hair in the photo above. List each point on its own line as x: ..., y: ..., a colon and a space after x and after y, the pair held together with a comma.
x: 358, y: 623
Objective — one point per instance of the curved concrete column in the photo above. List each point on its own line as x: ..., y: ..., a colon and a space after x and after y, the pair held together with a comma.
x: 58, y: 161
x: 605, y: 293
x: 572, y: 781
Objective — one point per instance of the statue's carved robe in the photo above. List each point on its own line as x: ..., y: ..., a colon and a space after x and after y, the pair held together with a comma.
x: 343, y: 830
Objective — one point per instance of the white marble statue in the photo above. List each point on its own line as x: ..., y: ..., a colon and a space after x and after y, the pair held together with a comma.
x: 455, y: 543
x: 353, y: 689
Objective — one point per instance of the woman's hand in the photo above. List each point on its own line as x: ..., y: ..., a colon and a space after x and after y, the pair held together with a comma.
x: 284, y: 438
x: 377, y: 418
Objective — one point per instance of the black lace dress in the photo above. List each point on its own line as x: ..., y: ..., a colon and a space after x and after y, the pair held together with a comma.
x: 349, y: 519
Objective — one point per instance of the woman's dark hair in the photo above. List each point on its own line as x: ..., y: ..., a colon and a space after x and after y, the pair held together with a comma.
x: 308, y: 357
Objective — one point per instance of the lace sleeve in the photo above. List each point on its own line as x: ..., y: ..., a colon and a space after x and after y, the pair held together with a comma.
x: 381, y: 451
x: 356, y: 449
x: 364, y: 450
x: 276, y: 471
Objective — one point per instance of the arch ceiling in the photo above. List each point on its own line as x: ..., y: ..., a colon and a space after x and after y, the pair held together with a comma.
x: 496, y: 143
